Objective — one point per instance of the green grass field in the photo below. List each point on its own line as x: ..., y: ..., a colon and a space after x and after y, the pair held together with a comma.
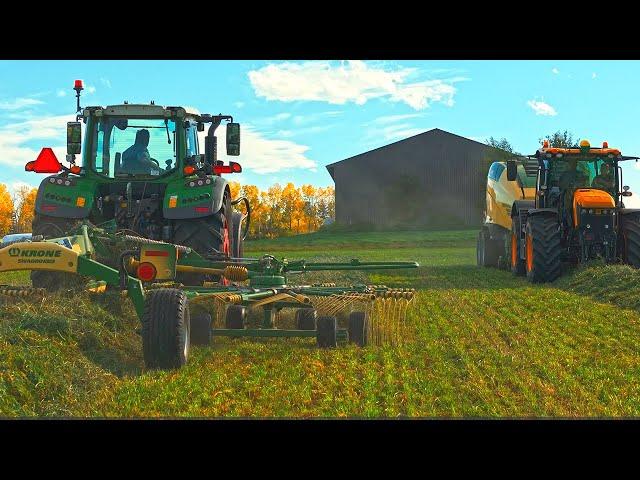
x: 482, y: 344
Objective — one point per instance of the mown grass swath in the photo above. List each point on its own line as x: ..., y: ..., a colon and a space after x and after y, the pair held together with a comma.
x: 480, y: 343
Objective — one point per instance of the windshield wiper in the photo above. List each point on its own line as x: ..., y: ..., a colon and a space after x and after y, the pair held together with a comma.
x: 166, y: 124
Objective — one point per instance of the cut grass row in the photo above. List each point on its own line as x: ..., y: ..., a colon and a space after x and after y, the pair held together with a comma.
x: 483, y: 344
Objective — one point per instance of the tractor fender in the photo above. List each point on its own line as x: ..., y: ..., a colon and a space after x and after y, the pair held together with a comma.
x: 543, y: 211
x: 521, y: 205
x: 65, y: 201
x: 197, y: 209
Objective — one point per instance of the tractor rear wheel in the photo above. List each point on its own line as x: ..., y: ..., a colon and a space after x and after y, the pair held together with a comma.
x: 206, y: 236
x: 53, y: 227
x: 518, y: 266
x: 630, y: 248
x: 543, y: 248
x: 166, y: 329
x: 358, y: 328
x: 327, y: 332
x: 236, y: 235
x: 306, y: 318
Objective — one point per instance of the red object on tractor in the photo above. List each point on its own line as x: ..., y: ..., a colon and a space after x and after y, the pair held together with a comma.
x: 47, y: 162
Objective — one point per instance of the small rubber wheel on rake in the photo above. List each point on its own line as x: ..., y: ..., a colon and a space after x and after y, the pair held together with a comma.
x: 166, y: 329
x: 326, y: 332
x: 358, y: 328
x: 306, y: 318
x: 200, y: 328
x: 236, y: 317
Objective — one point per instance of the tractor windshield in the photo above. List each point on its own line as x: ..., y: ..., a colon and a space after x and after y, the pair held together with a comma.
x: 573, y: 172
x: 130, y: 147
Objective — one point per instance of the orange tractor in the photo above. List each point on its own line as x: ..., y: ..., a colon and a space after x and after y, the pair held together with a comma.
x: 577, y: 212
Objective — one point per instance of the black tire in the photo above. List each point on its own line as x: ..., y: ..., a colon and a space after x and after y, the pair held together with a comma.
x: 480, y: 249
x: 358, y: 328
x: 53, y: 227
x: 544, y: 262
x: 630, y: 241
x: 166, y: 329
x: 306, y: 318
x: 236, y: 234
x: 326, y: 332
x: 487, y: 250
x: 518, y: 265
x: 236, y: 317
x: 201, y: 329
x: 206, y: 236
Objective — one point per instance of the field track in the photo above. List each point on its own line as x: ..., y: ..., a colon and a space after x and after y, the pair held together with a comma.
x: 482, y: 343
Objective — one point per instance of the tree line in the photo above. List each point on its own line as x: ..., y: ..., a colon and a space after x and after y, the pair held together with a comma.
x: 16, y: 211
x: 277, y: 211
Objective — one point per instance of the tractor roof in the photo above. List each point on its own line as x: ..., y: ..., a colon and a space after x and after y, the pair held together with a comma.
x: 138, y: 110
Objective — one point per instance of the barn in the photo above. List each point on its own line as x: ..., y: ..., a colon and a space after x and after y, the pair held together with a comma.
x: 432, y: 179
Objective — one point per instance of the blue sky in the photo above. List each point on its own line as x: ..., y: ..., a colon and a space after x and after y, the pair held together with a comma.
x: 299, y: 116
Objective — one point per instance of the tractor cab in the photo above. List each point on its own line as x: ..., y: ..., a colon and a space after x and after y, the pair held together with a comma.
x: 140, y: 168
x: 578, y: 181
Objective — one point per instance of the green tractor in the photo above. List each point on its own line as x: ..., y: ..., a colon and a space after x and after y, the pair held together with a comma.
x: 143, y: 174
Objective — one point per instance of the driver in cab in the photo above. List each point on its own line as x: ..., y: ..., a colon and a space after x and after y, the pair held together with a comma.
x: 136, y: 158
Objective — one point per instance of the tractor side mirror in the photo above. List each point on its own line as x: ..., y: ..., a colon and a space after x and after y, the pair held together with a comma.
x: 233, y: 139
x: 626, y: 192
x: 200, y: 126
x: 512, y: 170
x: 74, y: 135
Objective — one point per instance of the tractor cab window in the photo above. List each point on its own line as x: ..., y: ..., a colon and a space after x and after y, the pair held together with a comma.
x: 192, y: 140
x: 573, y: 172
x: 125, y: 147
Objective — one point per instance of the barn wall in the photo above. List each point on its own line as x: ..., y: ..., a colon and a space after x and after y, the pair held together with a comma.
x: 433, y: 179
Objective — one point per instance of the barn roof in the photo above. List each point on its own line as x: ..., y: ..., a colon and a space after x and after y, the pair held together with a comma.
x: 429, y: 133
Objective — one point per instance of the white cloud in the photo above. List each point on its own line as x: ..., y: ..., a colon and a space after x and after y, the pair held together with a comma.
x: 594, y: 75
x: 300, y: 120
x: 18, y: 103
x: 352, y: 81
x: 91, y: 89
x: 542, y: 108
x: 239, y: 104
x: 396, y: 118
x: 13, y: 137
x: 105, y: 81
x: 61, y: 93
x: 263, y: 155
x: 555, y: 71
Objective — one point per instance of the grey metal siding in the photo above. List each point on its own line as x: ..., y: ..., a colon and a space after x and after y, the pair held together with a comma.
x: 432, y: 179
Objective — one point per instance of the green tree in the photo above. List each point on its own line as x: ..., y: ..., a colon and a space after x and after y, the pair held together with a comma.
x: 560, y: 139
x: 502, y: 144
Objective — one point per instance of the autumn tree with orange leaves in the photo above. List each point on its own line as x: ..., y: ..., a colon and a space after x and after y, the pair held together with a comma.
x: 6, y: 211
x: 278, y: 211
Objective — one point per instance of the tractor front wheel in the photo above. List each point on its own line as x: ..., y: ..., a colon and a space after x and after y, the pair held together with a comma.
x: 630, y: 241
x: 543, y: 249
x: 166, y: 329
